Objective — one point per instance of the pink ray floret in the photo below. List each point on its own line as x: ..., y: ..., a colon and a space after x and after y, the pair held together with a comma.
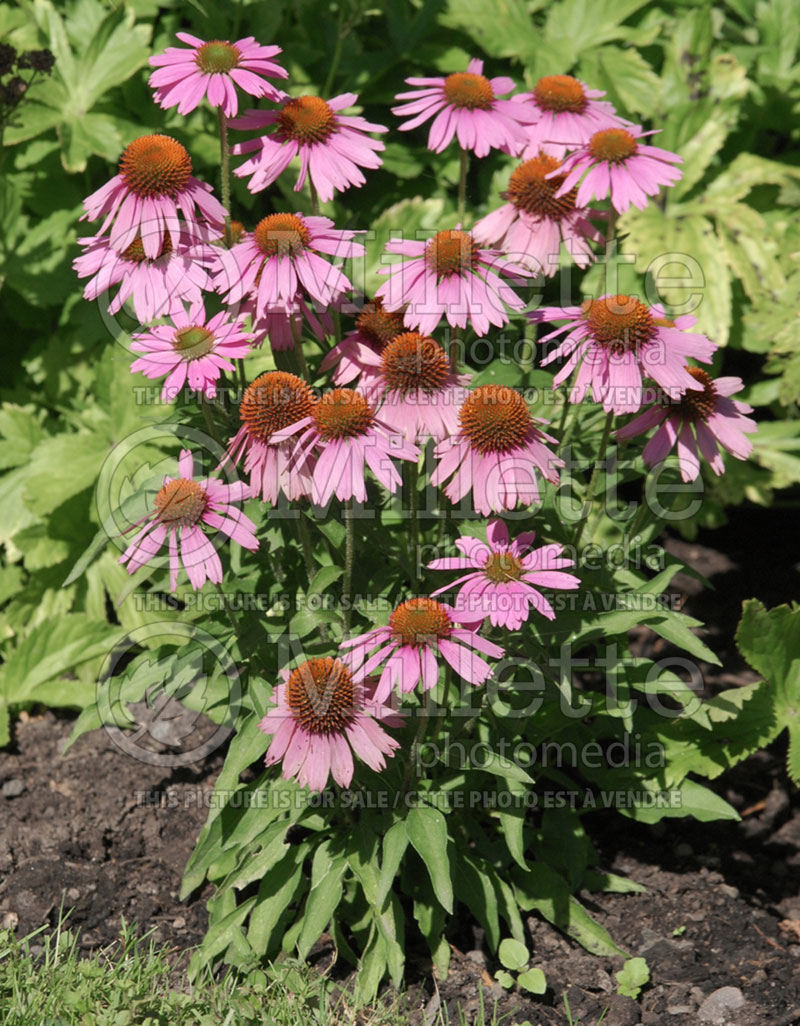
x: 695, y: 425
x: 213, y: 70
x: 532, y: 226
x: 616, y: 343
x: 333, y: 147
x: 284, y: 257
x: 466, y: 106
x: 339, y: 440
x: 450, y: 276
x: 422, y: 634
x: 616, y: 163
x: 192, y: 350
x: 183, y: 507
x: 154, y: 186
x: 566, y: 114
x: 155, y: 287
x: 321, y: 718
x: 504, y: 580
x: 498, y: 453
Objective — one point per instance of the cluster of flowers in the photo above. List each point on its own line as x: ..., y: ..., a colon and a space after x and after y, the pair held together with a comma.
x: 163, y: 239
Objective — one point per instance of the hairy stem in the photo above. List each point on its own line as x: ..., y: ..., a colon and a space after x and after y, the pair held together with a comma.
x: 347, y: 589
x: 225, y: 174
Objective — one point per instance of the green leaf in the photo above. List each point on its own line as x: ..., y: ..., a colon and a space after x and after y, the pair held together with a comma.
x: 770, y: 641
x: 632, y: 977
x: 395, y: 842
x: 278, y: 888
x: 476, y: 889
x: 544, y: 890
x: 427, y: 832
x: 512, y: 954
x: 49, y: 652
x: 219, y: 936
x: 533, y: 980
x: 324, y: 578
x: 323, y: 898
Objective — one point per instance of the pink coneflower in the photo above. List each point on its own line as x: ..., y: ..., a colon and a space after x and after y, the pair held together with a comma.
x: 615, y: 341
x: 532, y: 225
x: 155, y: 286
x: 321, y: 717
x: 333, y: 147
x: 503, y: 581
x: 190, y: 350
x: 616, y: 163
x: 466, y: 105
x: 281, y: 258
x: 282, y: 324
x: 421, y: 631
x: 496, y: 453
x: 214, y: 69
x: 698, y: 420
x: 359, y: 352
x: 182, y: 508
x: 274, y: 401
x: 343, y: 435
x: 154, y: 183
x: 420, y: 395
x: 449, y: 276
x: 566, y: 114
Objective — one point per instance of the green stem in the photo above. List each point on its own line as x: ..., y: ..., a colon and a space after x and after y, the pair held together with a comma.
x: 412, y: 757
x: 333, y: 67
x: 314, y: 197
x: 225, y: 174
x: 305, y: 545
x: 448, y: 677
x: 413, y: 477
x: 300, y: 356
x: 462, y: 185
x: 611, y: 232
x: 595, y: 474
x: 347, y: 590
x: 208, y: 416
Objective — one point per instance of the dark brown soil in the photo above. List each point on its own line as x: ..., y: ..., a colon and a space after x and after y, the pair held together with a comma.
x: 722, y: 907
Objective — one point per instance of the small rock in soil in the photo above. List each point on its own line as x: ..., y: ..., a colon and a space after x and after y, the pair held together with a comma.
x: 13, y: 788
x: 717, y: 1006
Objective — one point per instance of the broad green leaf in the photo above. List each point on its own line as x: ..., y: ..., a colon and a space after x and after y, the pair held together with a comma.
x: 427, y: 832
x: 512, y: 954
x: 544, y: 890
x: 395, y: 842
x: 323, y: 898
x: 49, y: 652
x: 634, y: 975
x: 281, y: 885
x: 533, y: 980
